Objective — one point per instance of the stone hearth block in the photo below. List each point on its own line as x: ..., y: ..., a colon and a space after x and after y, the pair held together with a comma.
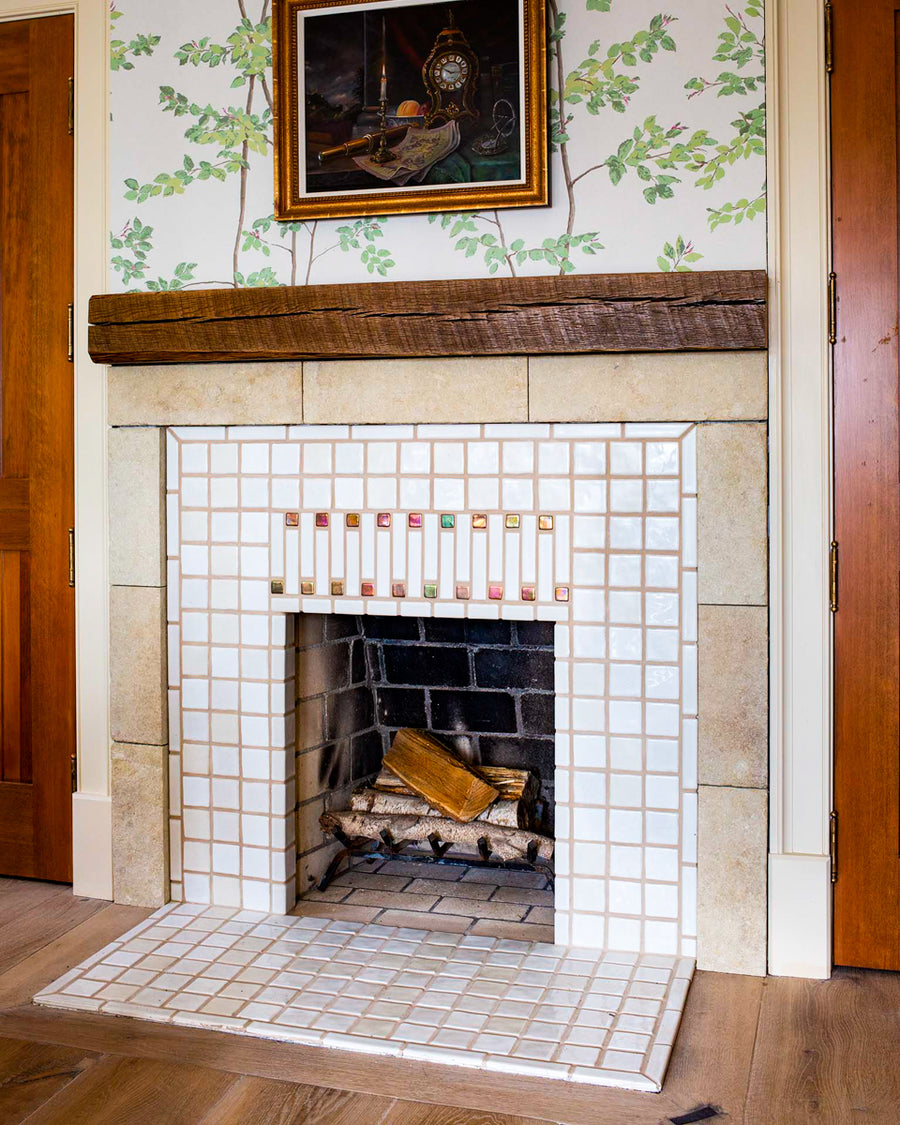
x: 416, y: 390
x: 734, y: 688
x: 136, y: 507
x: 206, y: 394
x: 138, y: 664
x: 731, y: 877
x: 140, y: 828
x: 697, y: 386
x: 732, y: 505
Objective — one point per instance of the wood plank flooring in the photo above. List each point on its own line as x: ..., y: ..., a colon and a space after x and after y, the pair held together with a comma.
x: 764, y: 1052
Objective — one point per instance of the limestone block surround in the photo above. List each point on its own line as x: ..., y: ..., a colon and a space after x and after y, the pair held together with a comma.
x: 724, y: 394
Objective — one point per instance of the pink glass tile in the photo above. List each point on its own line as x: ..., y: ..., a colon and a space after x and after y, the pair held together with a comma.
x: 415, y: 519
x: 321, y: 519
x: 398, y: 589
x: 367, y: 590
x: 561, y: 593
x: 528, y: 594
x: 384, y: 519
x: 462, y: 592
x: 495, y: 593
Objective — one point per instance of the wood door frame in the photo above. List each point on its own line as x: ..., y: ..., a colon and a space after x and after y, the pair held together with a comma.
x: 92, y: 809
x: 800, y: 466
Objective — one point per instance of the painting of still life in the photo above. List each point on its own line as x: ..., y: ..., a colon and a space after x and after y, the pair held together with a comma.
x: 403, y: 106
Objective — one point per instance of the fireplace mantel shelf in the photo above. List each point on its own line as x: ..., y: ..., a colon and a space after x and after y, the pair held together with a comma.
x: 653, y: 312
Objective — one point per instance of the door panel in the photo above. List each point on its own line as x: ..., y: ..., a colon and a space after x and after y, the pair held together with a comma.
x: 37, y: 613
x: 867, y: 483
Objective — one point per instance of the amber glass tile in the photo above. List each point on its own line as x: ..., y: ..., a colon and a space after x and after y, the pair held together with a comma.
x: 368, y: 589
x: 321, y: 519
x: 513, y: 521
x: 545, y: 523
x: 337, y: 589
x: 307, y: 588
x: 528, y: 594
x: 561, y: 593
x: 277, y: 586
x: 353, y: 519
x: 291, y: 519
x: 479, y: 521
x: 448, y: 521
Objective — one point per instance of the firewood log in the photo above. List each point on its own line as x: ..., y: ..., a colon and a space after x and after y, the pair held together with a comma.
x: 510, y: 814
x: 432, y: 771
x: 504, y: 843
x: 511, y: 784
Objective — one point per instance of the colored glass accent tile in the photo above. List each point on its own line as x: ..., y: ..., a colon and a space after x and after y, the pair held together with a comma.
x: 307, y: 588
x: 430, y: 590
x: 479, y: 521
x: 462, y: 592
x: 561, y: 593
x: 291, y: 519
x: 495, y: 593
x: 398, y: 589
x: 384, y: 519
x: 448, y: 521
x: 337, y: 589
x: 513, y: 521
x: 545, y: 523
x: 277, y: 586
x: 353, y: 519
x: 321, y: 519
x: 368, y: 590
x: 415, y: 519
x: 528, y: 594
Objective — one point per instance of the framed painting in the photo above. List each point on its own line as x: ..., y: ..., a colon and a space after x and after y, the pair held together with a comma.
x: 402, y: 106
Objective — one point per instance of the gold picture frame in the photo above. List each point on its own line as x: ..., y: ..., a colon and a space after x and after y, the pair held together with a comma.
x: 472, y: 133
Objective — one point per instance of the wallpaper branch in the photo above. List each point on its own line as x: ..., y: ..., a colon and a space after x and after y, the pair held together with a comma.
x: 657, y: 126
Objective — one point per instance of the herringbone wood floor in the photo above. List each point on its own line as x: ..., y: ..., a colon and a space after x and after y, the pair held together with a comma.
x: 765, y: 1052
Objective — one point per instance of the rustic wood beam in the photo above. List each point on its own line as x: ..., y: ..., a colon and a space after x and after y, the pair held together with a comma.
x: 653, y: 312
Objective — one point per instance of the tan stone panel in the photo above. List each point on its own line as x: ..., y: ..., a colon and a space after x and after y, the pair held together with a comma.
x: 732, y: 503
x: 139, y: 824
x: 731, y: 877
x: 734, y: 695
x: 138, y: 707
x: 476, y: 389
x: 136, y: 483
x: 648, y: 387
x: 206, y: 394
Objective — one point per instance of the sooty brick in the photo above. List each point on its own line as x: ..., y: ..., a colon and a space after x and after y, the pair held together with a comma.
x: 514, y: 668
x: 427, y: 665
x: 401, y: 707
x: 367, y: 754
x: 347, y: 712
x: 519, y: 753
x: 457, y: 711
x: 391, y: 628
x: 539, y: 714
x: 535, y: 633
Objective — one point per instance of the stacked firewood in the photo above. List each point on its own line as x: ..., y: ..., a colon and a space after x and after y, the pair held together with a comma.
x: 426, y: 792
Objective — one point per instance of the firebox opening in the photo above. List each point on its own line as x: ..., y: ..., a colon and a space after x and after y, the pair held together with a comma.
x: 484, y: 689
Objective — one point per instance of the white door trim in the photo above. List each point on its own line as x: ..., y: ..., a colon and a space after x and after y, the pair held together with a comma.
x: 800, y: 487
x: 92, y: 827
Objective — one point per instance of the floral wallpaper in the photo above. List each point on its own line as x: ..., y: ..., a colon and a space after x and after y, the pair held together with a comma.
x: 657, y: 121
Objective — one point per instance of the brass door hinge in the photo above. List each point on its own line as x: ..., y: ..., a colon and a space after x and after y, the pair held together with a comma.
x: 829, y: 38
x: 74, y: 768
x: 832, y: 308
x: 832, y: 844
x: 71, y: 556
x: 833, y: 576
x: 71, y: 107
x: 70, y: 333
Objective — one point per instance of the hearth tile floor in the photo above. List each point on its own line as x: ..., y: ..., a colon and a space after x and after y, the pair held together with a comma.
x: 516, y: 1007
x: 488, y: 902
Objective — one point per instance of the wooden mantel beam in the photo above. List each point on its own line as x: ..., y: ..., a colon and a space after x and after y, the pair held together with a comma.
x: 581, y: 313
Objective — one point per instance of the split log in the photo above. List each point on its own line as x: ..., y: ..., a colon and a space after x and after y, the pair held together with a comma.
x: 504, y: 843
x: 512, y: 785
x: 509, y: 814
x: 432, y: 771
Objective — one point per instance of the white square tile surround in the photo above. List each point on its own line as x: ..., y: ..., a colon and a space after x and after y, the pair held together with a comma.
x: 623, y: 544
x: 556, y: 1012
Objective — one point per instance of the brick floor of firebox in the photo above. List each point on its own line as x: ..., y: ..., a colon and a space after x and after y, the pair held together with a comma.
x: 460, y: 900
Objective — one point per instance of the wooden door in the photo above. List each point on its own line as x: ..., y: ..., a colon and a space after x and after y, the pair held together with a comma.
x: 37, y: 605
x: 865, y: 107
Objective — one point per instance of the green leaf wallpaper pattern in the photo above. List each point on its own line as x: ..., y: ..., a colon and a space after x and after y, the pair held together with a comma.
x: 657, y: 122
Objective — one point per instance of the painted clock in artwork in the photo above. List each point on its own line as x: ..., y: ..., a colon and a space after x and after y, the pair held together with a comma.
x: 451, y: 76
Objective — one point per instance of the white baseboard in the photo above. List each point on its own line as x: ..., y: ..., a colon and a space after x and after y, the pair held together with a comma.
x: 800, y: 940
x: 92, y: 845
